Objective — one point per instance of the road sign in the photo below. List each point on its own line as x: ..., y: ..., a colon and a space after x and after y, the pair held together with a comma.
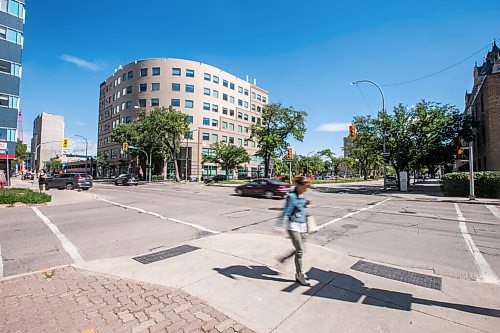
x: 3, y: 151
x: 3, y: 144
x: 134, y: 147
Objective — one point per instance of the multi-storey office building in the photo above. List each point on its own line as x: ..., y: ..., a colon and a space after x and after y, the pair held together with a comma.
x: 483, y: 103
x: 220, y: 106
x: 11, y: 45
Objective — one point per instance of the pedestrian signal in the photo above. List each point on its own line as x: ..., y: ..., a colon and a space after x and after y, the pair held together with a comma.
x: 352, y: 131
x: 289, y: 153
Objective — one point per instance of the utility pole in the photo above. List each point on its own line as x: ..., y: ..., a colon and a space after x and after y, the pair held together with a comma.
x: 471, y: 173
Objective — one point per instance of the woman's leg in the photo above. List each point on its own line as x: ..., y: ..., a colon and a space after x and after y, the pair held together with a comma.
x: 299, y: 250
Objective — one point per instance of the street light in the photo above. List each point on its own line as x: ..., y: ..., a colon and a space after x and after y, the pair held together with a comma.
x: 383, y: 113
x: 187, y: 151
x: 86, y: 149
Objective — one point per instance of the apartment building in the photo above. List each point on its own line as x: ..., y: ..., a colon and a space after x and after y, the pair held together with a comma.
x: 483, y: 103
x: 11, y: 44
x: 48, y: 133
x: 221, y: 108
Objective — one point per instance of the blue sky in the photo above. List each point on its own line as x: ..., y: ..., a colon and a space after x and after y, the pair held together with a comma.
x: 304, y: 53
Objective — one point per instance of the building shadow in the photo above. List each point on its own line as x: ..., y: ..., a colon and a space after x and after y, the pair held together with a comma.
x: 346, y: 288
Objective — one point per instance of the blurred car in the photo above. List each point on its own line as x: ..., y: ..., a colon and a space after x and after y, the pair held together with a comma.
x: 391, y: 181
x: 215, y: 179
x: 269, y: 188
x: 127, y: 179
x: 69, y: 181
x: 27, y: 176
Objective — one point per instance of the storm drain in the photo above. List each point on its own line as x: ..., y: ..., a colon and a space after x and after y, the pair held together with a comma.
x: 397, y: 274
x: 173, y: 252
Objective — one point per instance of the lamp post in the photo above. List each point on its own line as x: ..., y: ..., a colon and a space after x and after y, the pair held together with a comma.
x: 86, y: 149
x: 188, y: 135
x: 384, y: 153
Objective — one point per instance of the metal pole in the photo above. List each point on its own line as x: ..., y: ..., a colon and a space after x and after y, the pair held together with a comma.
x: 471, y: 171
x: 290, y: 169
x: 384, y: 129
x: 8, y: 171
x: 86, y: 149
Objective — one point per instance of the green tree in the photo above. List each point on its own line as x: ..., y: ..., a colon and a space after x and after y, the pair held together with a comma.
x: 366, y: 147
x: 21, y: 151
x: 228, y: 156
x: 102, y: 163
x: 333, y: 163
x: 278, y: 125
x: 53, y: 165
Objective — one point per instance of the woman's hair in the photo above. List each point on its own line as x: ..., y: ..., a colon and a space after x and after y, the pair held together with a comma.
x: 301, y: 180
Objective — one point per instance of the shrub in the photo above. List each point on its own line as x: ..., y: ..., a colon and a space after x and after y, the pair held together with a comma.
x: 486, y: 184
x: 11, y: 196
x: 157, y: 177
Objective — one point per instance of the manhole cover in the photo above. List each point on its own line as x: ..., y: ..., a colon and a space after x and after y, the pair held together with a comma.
x: 397, y: 274
x: 173, y: 252
x: 350, y: 226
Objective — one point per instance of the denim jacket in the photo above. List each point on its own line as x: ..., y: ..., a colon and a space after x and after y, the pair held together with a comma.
x: 294, y: 215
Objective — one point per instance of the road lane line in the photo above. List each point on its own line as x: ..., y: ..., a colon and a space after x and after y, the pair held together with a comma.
x: 486, y: 273
x: 494, y: 210
x: 1, y: 263
x: 192, y: 225
x: 352, y: 214
x: 67, y: 245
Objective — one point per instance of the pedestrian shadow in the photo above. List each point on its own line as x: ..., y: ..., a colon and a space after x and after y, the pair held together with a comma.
x: 346, y: 288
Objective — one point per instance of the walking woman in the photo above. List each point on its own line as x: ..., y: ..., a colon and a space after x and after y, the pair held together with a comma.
x: 294, y: 219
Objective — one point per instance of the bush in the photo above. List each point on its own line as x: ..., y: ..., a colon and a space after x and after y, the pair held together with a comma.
x: 11, y: 196
x: 156, y: 177
x: 486, y: 184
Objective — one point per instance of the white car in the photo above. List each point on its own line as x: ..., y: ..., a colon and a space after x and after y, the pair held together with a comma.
x: 391, y: 181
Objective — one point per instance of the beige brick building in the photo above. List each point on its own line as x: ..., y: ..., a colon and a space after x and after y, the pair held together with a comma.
x: 483, y: 103
x: 48, y: 133
x: 221, y: 107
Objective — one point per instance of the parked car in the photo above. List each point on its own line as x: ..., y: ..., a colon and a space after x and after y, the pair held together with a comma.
x: 391, y: 181
x: 27, y: 176
x: 264, y: 187
x: 69, y: 181
x: 126, y: 179
x: 215, y: 179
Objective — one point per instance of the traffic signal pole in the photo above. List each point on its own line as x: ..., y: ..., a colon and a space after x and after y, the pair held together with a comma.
x: 471, y: 173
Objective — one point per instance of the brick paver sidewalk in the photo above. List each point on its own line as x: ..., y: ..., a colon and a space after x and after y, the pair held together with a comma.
x: 73, y: 300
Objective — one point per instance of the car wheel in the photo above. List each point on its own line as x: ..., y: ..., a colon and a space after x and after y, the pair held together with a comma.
x: 85, y: 188
x: 269, y: 194
x: 239, y: 191
x: 136, y: 184
x: 70, y: 186
x: 116, y: 183
x: 124, y: 183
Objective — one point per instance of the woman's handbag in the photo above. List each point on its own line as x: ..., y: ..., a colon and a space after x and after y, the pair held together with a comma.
x: 311, y: 224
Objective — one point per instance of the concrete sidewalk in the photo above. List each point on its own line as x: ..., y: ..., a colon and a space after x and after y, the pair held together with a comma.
x: 238, y: 274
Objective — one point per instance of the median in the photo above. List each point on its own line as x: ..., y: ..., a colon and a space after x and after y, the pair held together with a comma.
x: 23, y: 195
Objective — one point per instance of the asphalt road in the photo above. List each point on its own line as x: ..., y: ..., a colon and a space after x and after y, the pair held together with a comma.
x: 358, y: 220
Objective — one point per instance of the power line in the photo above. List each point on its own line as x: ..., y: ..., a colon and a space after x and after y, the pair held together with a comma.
x: 364, y: 98
x: 438, y: 72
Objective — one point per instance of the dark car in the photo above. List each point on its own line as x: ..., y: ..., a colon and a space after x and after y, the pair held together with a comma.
x: 264, y: 187
x: 126, y: 179
x: 215, y: 179
x: 27, y: 176
x: 69, y: 181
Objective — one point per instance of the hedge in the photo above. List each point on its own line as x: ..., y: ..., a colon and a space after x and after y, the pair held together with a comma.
x: 486, y: 184
x: 11, y: 196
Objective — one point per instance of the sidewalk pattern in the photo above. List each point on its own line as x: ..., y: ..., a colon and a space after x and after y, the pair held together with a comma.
x: 73, y: 300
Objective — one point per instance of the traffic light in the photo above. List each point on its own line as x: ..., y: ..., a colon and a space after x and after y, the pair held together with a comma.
x: 125, y: 146
x: 462, y: 153
x: 352, y: 131
x: 65, y: 143
x: 289, y: 153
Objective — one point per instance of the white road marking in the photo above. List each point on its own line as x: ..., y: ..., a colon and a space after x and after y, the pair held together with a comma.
x: 1, y: 263
x: 351, y: 214
x: 196, y: 226
x: 67, y: 245
x: 486, y: 273
x: 495, y: 211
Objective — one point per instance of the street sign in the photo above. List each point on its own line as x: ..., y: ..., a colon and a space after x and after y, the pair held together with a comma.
x: 134, y: 148
x: 3, y: 151
x: 3, y: 144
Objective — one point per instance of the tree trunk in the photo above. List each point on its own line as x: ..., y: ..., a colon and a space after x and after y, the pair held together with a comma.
x: 164, y: 171
x: 266, y: 164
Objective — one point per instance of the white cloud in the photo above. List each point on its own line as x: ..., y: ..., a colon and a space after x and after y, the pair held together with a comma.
x: 81, y: 63
x: 333, y: 127
x: 78, y: 146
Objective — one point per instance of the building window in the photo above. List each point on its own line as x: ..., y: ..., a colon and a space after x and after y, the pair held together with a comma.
x: 253, y: 95
x: 231, y: 99
x: 142, y: 103
x: 231, y: 140
x: 224, y: 138
x: 216, y: 79
x: 206, y: 121
x: 215, y: 123
x: 245, y: 103
x: 11, y: 35
x: 231, y: 86
x: 240, y: 142
x: 206, y: 106
x: 190, y: 121
x: 189, y: 88
x: 207, y: 77
x: 142, y: 87
x: 4, y: 100
x: 263, y: 99
x: 175, y: 102
x: 190, y: 72
x: 253, y: 106
x: 144, y: 72
x: 129, y: 89
x: 206, y: 91
x: 253, y: 144
x: 245, y: 117
x: 205, y: 136
x: 155, y: 86
x: 215, y: 108
x: 156, y: 71
x: 215, y: 138
x: 15, y: 8
x: 240, y: 115
x: 188, y: 104
x: 258, y: 97
x: 253, y: 119
x: 246, y: 92
x: 240, y: 102
x: 155, y: 102
x: 240, y: 129
x: 225, y: 83
x: 224, y: 111
x: 225, y: 97
x: 224, y: 125
x: 176, y: 87
x: 130, y: 75
x: 176, y: 71
x: 215, y: 93
x: 231, y: 113
x: 231, y: 127
x: 240, y: 90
